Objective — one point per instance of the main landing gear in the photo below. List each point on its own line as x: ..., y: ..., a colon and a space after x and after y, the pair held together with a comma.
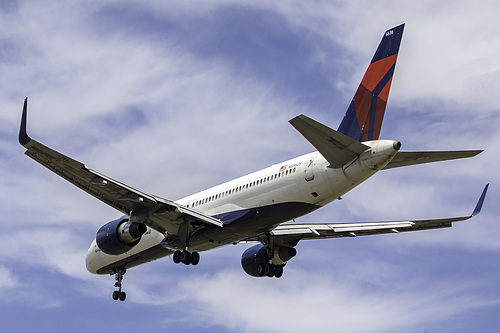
x: 270, y: 270
x: 186, y: 257
x: 119, y: 294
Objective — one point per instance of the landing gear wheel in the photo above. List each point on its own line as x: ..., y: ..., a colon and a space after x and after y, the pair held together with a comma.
x: 186, y: 257
x: 122, y: 296
x: 195, y: 258
x: 278, y: 272
x: 116, y: 294
x: 260, y: 270
x: 177, y: 256
x: 269, y: 270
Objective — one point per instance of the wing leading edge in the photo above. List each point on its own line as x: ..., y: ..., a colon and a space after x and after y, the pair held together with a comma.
x: 159, y: 213
x: 292, y: 233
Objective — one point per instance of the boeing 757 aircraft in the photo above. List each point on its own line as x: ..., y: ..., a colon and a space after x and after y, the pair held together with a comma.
x: 257, y: 206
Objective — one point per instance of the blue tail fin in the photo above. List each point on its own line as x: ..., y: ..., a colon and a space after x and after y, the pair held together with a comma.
x: 363, y: 119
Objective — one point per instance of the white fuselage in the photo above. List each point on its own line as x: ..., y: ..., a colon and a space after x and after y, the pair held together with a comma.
x: 259, y: 201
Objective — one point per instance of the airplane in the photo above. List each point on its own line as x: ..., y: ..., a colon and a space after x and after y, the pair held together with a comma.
x: 260, y: 207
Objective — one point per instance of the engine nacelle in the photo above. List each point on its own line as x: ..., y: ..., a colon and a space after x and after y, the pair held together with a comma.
x: 119, y: 236
x: 252, y: 258
x: 283, y: 254
x: 255, y: 259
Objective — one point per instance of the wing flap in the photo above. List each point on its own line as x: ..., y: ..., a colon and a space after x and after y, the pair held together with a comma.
x: 336, y: 148
x: 335, y: 230
x: 338, y: 230
x: 356, y: 227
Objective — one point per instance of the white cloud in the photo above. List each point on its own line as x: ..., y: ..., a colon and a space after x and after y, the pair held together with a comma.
x: 7, y: 279
x: 302, y: 301
x: 55, y: 248
x: 170, y: 121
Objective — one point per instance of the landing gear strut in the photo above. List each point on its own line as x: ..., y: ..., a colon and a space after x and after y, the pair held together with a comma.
x: 119, y: 294
x: 277, y: 256
x: 186, y: 257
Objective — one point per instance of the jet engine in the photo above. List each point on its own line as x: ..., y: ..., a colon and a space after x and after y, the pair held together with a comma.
x: 256, y: 261
x: 119, y: 236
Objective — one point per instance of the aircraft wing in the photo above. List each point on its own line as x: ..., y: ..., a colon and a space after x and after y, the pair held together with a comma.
x: 291, y: 234
x: 161, y: 214
x: 419, y: 157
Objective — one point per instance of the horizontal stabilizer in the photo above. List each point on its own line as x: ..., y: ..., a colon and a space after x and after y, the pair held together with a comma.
x: 336, y: 148
x: 419, y: 157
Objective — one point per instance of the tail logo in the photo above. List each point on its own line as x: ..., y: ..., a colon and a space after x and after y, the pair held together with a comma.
x: 363, y: 119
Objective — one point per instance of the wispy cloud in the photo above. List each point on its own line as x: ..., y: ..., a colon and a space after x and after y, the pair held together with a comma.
x: 172, y: 97
x: 303, y: 301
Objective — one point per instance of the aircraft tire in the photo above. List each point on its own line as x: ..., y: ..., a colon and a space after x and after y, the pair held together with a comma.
x: 177, y: 256
x: 260, y: 270
x: 278, y: 272
x: 195, y: 258
x: 186, y: 257
x: 269, y: 270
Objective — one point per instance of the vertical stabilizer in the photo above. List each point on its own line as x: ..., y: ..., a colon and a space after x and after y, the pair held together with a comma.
x: 363, y: 119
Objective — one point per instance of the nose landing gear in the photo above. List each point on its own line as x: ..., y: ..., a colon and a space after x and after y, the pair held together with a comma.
x: 119, y: 294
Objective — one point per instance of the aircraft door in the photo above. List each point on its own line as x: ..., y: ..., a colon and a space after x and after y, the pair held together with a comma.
x: 309, y: 171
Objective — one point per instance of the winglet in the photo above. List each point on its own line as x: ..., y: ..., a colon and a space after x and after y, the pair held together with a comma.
x: 479, y: 205
x: 24, y: 139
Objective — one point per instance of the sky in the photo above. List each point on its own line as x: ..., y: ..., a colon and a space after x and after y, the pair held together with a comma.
x: 172, y: 97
